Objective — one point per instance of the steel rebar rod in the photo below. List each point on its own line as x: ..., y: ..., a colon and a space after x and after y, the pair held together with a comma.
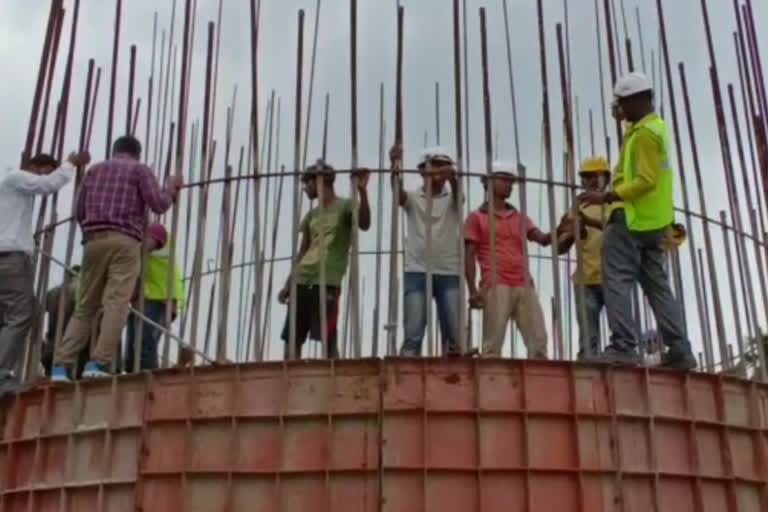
x: 558, y: 335
x: 131, y: 84
x: 379, y: 226
x: 113, y: 79
x: 463, y: 315
x: 676, y: 130
x: 54, y: 17
x: 292, y: 352
x: 397, y: 163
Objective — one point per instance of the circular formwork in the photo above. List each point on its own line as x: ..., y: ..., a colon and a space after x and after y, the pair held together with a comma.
x: 392, y: 435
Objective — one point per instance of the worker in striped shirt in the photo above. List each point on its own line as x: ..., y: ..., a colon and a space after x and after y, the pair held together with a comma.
x: 112, y: 206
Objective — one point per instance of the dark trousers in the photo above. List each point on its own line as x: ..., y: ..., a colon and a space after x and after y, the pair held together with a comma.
x: 150, y: 337
x: 631, y: 257
x: 17, y: 308
x: 308, y: 320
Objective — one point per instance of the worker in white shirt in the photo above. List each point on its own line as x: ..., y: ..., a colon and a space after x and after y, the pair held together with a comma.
x: 18, y: 188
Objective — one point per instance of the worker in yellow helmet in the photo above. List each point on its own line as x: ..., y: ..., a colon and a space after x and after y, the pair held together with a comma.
x: 595, y: 176
x: 641, y: 206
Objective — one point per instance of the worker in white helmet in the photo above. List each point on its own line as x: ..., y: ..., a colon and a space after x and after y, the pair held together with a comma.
x: 641, y: 211
x: 441, y: 259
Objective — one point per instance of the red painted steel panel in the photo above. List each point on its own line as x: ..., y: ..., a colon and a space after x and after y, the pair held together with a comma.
x: 395, y: 435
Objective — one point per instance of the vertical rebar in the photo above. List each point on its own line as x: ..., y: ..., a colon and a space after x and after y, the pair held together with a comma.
x: 131, y: 83
x: 676, y: 130
x: 255, y: 12
x: 113, y: 79
x: 731, y: 286
x: 54, y: 17
x: 296, y: 190
x: 354, y: 264
x: 550, y: 178
x: 463, y: 338
x: 379, y: 223
x: 394, y: 222
x: 719, y: 324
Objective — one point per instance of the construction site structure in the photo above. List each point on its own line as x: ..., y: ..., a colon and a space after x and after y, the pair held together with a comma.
x: 232, y: 423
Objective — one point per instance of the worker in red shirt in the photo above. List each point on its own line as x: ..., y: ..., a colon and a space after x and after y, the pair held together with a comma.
x: 111, y: 209
x: 511, y: 295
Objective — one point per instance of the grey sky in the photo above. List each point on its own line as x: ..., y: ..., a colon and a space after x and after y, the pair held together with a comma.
x: 428, y: 58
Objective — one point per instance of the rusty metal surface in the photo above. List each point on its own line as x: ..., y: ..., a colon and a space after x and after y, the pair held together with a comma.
x: 391, y: 435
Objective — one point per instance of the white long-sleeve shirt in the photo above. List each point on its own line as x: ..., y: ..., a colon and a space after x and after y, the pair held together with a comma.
x: 18, y: 190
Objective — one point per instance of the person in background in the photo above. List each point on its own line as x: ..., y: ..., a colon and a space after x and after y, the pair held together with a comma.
x: 157, y: 266
x: 437, y: 168
x: 52, y: 298
x: 642, y: 210
x: 513, y: 296
x: 112, y: 208
x: 39, y: 176
x: 595, y: 175
x: 326, y: 235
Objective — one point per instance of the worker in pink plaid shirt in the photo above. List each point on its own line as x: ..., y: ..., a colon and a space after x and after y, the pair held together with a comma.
x: 112, y: 212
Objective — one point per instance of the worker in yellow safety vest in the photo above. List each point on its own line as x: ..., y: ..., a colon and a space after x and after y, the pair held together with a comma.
x: 641, y: 209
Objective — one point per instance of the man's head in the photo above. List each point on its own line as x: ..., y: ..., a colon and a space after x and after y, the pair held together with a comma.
x: 42, y: 163
x: 595, y: 173
x: 127, y: 145
x: 634, y: 95
x: 502, y: 179
x: 321, y: 172
x: 156, y: 237
x: 437, y: 164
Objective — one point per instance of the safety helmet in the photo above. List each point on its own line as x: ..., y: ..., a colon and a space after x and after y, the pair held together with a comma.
x: 502, y: 170
x: 594, y: 164
x: 435, y: 154
x: 631, y: 84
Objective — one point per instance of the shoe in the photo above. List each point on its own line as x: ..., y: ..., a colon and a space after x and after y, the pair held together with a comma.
x: 59, y: 374
x: 94, y: 370
x: 616, y: 356
x: 683, y: 361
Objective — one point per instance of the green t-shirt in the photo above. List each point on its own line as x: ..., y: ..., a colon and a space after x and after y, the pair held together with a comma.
x: 331, y: 230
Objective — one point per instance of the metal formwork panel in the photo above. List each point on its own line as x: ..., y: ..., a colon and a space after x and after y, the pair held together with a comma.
x: 72, y: 448
x: 395, y: 435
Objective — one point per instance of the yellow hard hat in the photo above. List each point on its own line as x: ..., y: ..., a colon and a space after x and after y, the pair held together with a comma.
x: 594, y: 164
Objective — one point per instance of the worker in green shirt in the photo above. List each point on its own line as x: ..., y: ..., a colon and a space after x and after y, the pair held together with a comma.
x: 156, y: 295
x: 641, y: 211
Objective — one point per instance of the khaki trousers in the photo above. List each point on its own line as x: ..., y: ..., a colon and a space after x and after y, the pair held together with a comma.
x: 521, y: 305
x: 111, y: 266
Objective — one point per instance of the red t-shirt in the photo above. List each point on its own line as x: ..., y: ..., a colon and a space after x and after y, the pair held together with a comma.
x: 509, y: 244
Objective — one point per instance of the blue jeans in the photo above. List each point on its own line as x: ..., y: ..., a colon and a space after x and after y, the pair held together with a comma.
x: 150, y: 336
x: 589, y: 334
x: 445, y: 290
x: 631, y: 257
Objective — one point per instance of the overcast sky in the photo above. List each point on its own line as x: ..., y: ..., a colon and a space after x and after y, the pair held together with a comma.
x: 428, y: 49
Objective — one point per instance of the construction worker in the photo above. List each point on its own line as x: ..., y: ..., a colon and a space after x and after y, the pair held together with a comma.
x: 513, y: 297
x: 156, y: 295
x: 326, y: 236
x: 112, y: 209
x: 641, y: 210
x: 437, y: 167
x: 595, y: 175
x: 52, y: 298
x: 39, y: 176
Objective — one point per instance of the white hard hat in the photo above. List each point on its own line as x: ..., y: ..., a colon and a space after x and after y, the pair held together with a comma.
x: 437, y: 153
x: 502, y: 167
x: 631, y: 84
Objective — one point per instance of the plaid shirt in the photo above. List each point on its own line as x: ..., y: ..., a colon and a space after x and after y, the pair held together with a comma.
x: 115, y: 194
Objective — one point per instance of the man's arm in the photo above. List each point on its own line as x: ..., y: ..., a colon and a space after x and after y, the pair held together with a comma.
x: 453, y: 181
x: 41, y: 184
x: 158, y: 199
x: 646, y: 157
x: 364, y: 212
x: 303, y: 248
x: 470, y: 266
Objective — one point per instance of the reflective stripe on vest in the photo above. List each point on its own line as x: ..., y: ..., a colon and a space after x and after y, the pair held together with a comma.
x: 654, y: 210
